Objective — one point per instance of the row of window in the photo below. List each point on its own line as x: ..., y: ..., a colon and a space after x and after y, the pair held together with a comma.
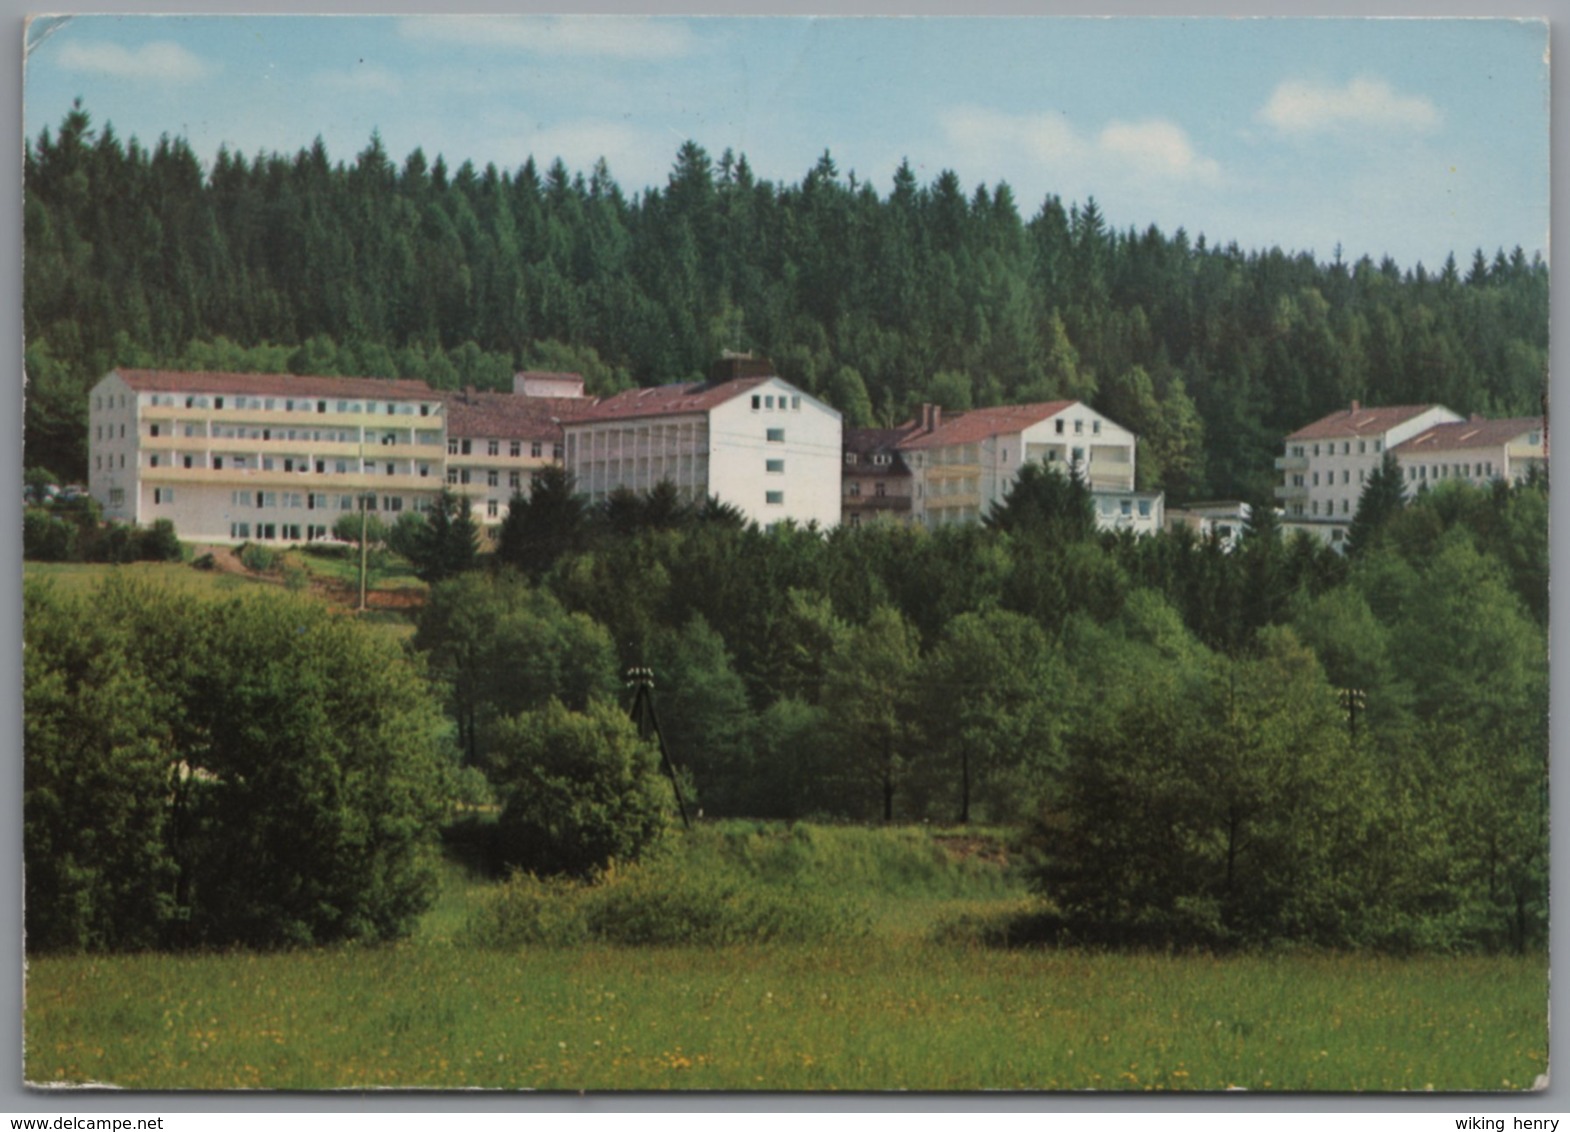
x: 1079, y: 427
x: 1484, y: 470
x: 271, y: 404
x: 768, y: 401
x: 1363, y: 448
x: 1126, y: 507
x: 288, y: 464
x: 853, y: 489
x: 463, y: 446
x: 492, y: 477
x: 268, y: 532
x: 879, y: 459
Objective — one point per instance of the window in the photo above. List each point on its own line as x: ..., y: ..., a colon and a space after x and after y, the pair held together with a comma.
x: 515, y: 449
x: 878, y: 489
x: 855, y: 490
x: 774, y: 466
x: 1079, y: 454
x: 1144, y: 513
x: 850, y: 459
x: 1316, y: 450
x: 773, y: 497
x: 768, y: 402
x: 795, y: 402
x: 776, y: 436
x: 556, y: 452
x: 1362, y: 447
x: 1079, y: 427
x: 425, y: 471
x: 163, y: 495
x: 493, y: 448
x: 321, y: 406
x: 1376, y: 445
x: 492, y: 478
x: 1126, y: 506
x: 218, y: 463
x: 452, y: 475
x: 452, y: 447
x: 1060, y: 427
x: 490, y: 509
x: 117, y: 497
x: 392, y: 503
x: 1095, y: 428
x: 881, y: 459
x: 466, y: 446
x: 1316, y: 479
x: 1344, y: 506
x: 757, y: 401
x: 1346, y: 476
x: 535, y: 450
x: 463, y: 475
x: 186, y: 461
x: 515, y: 480
x: 152, y: 430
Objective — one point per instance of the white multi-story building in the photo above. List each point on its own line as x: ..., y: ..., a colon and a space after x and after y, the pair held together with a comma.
x: 964, y: 464
x: 229, y: 457
x: 1326, y: 463
x: 751, y: 439
x: 497, y: 441
x: 1476, y: 450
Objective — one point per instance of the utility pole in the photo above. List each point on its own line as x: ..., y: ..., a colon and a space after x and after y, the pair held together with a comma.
x: 1353, y: 700
x: 641, y: 680
x: 365, y: 518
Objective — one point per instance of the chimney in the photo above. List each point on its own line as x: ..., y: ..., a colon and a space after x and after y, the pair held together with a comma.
x: 931, y: 417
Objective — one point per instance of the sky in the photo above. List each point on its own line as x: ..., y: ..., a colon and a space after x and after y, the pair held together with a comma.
x: 1408, y: 138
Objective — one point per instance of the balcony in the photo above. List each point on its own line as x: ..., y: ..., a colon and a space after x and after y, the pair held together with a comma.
x: 1291, y: 463
x: 1291, y: 491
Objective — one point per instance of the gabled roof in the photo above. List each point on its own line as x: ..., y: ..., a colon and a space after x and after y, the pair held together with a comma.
x: 865, y: 443
x: 1469, y: 434
x: 1359, y: 421
x: 667, y: 400
x: 274, y: 384
x: 980, y: 424
x: 509, y: 416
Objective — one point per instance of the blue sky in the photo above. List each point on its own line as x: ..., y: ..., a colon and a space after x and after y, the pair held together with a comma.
x: 1404, y: 137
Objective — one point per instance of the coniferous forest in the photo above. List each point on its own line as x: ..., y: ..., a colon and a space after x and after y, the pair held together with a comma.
x: 875, y: 293
x: 1276, y: 743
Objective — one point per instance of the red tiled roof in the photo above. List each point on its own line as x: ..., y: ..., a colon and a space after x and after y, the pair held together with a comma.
x: 274, y: 384
x: 509, y: 416
x: 979, y: 424
x: 667, y: 400
x: 1469, y: 434
x: 1360, y: 421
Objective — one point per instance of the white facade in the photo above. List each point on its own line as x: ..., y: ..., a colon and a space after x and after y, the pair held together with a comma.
x: 963, y: 466
x: 1325, y: 465
x: 759, y: 444
x: 1476, y: 451
x: 230, y: 457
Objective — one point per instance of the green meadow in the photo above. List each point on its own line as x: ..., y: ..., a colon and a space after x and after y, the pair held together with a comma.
x: 898, y: 996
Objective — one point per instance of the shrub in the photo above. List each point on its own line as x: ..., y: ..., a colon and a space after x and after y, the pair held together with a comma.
x: 47, y: 537
x: 579, y: 790
x: 258, y: 559
x: 159, y: 543
x: 257, y: 770
x: 667, y: 902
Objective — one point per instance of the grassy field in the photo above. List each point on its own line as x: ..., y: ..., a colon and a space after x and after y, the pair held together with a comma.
x: 890, y: 1010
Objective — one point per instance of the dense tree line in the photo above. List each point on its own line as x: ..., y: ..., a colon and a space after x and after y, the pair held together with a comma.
x: 874, y: 300
x: 1213, y: 747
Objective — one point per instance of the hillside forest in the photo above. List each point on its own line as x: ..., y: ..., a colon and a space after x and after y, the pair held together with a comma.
x: 1192, y: 746
x: 874, y: 296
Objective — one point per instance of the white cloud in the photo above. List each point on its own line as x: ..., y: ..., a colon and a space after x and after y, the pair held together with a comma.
x: 1152, y: 150
x: 1159, y: 150
x: 1300, y: 108
x: 612, y: 37
x: 163, y: 62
